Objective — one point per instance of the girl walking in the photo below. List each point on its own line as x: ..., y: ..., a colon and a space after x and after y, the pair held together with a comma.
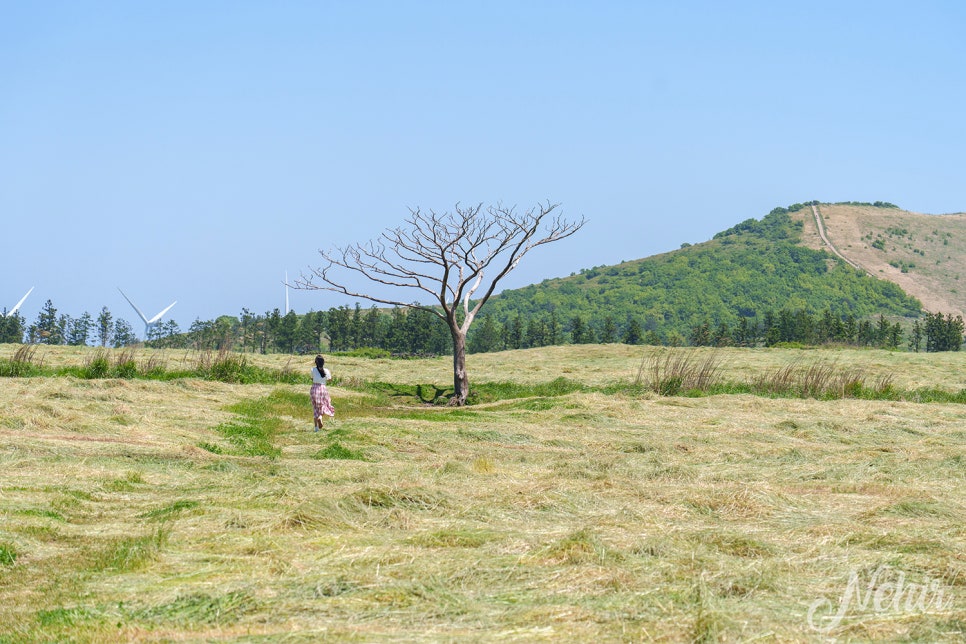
x: 321, y: 401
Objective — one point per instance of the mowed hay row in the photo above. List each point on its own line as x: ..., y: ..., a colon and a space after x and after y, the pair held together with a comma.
x: 538, y: 519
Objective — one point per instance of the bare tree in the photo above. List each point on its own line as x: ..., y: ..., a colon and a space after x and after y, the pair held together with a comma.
x: 456, y: 258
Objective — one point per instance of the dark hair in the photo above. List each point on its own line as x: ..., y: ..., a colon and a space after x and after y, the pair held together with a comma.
x: 320, y: 364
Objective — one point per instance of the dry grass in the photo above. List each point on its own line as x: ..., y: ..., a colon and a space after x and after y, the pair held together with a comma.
x: 577, y: 517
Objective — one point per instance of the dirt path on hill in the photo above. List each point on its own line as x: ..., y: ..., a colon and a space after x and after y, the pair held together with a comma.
x: 820, y: 224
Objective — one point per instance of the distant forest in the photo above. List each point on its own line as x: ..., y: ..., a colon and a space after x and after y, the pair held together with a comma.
x: 751, y: 285
x: 411, y: 332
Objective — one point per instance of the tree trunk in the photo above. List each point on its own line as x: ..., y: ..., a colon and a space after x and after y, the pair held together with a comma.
x: 461, y: 381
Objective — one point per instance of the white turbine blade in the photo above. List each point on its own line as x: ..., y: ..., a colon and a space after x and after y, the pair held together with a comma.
x: 14, y: 309
x: 134, y: 307
x: 158, y: 316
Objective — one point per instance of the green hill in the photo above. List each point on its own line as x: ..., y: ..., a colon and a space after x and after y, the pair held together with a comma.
x: 746, y: 271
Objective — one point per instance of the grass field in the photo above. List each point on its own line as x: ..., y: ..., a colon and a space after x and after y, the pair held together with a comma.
x: 142, y: 510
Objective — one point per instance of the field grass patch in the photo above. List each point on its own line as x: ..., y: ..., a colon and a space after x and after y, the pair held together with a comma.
x: 259, y: 422
x: 413, y: 497
x: 66, y: 617
x: 199, y: 609
x: 454, y: 538
x: 582, y: 546
x: 42, y: 513
x: 170, y: 510
x: 126, y: 554
x: 8, y: 554
x: 921, y: 508
x: 338, y: 451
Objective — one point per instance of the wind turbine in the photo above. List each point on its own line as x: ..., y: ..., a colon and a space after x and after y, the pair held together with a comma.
x: 14, y: 309
x: 148, y: 324
x: 286, y: 292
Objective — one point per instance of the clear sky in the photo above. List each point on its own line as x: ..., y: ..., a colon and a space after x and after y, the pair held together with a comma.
x: 197, y: 150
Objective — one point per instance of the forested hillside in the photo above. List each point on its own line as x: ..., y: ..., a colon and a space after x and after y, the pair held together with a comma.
x: 747, y: 271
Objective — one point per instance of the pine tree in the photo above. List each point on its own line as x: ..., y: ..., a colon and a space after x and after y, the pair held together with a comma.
x: 104, y: 328
x: 633, y: 334
x: 46, y: 329
x: 608, y: 333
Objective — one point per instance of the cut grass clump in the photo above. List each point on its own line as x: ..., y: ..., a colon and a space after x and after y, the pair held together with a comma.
x: 454, y: 538
x: 484, y: 465
x: 127, y: 483
x: 126, y: 554
x: 737, y: 545
x: 338, y: 451
x: 413, y: 497
x: 200, y: 609
x: 579, y: 547
x: 61, y: 617
x: 46, y: 514
x: 170, y: 510
x: 316, y: 514
x: 211, y: 447
x: 919, y: 508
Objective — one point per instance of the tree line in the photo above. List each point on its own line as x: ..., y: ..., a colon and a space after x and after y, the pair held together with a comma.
x: 416, y: 332
x: 397, y: 331
x: 52, y: 327
x: 935, y: 332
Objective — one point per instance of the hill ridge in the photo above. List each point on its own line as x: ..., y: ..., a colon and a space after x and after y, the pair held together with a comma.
x: 850, y: 258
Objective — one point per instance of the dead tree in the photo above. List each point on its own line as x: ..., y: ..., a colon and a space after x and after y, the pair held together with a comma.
x: 456, y: 258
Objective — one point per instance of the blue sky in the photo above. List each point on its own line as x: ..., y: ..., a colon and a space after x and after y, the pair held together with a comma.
x: 195, y: 151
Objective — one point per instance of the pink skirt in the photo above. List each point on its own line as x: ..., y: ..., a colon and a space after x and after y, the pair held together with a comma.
x: 321, y: 401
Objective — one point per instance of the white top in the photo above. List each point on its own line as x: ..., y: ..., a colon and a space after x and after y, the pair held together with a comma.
x: 319, y: 379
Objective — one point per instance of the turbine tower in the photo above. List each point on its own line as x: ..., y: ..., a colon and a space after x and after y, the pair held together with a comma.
x: 286, y: 292
x: 148, y: 324
x: 17, y: 306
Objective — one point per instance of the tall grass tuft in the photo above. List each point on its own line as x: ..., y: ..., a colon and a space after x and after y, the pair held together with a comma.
x: 125, y: 363
x: 669, y: 373
x: 154, y: 366
x: 97, y: 365
x: 224, y: 366
x: 21, y: 365
x: 822, y: 380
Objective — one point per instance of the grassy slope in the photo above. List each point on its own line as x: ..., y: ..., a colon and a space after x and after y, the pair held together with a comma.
x: 940, y: 263
x: 578, y: 517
